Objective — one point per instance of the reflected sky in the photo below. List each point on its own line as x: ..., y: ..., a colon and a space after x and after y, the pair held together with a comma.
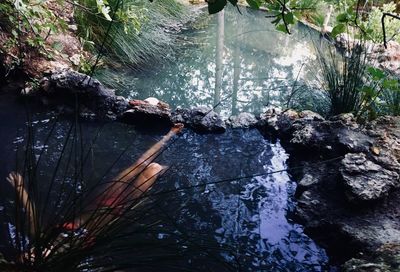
x: 259, y: 65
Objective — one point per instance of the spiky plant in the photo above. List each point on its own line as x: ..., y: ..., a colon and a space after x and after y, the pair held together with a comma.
x: 391, y: 98
x: 343, y: 78
x: 59, y: 221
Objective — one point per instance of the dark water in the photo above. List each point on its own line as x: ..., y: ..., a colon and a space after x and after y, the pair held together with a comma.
x: 259, y: 66
x: 244, y: 222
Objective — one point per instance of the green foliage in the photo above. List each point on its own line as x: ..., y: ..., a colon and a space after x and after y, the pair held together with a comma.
x: 285, y: 13
x: 388, y: 101
x: 352, y: 85
x: 139, y: 33
x: 344, y: 80
x: 29, y: 24
x: 373, y: 24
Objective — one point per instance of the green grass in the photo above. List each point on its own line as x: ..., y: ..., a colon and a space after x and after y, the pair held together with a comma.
x: 343, y: 78
x: 141, y: 33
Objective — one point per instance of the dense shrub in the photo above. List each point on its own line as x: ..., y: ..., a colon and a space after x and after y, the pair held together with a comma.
x: 392, y: 26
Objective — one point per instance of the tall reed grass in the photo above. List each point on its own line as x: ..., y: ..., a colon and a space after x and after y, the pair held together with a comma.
x: 142, y: 32
x: 343, y: 77
x: 51, y: 189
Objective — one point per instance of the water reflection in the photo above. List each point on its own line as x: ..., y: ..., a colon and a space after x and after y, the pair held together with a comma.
x: 258, y: 65
x: 250, y: 215
x: 242, y: 222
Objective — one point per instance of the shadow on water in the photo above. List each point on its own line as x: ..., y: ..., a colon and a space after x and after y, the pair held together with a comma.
x: 239, y: 225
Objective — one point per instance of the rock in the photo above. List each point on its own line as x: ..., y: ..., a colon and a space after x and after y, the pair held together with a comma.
x: 375, y: 150
x: 346, y: 119
x: 181, y: 116
x: 65, y: 87
x: 243, y: 120
x: 277, y: 123
x: 353, y: 141
x: 310, y: 115
x: 303, y: 136
x: 345, y: 169
x: 73, y: 82
x: 357, y: 265
x: 200, y: 119
x: 152, y: 101
x: 385, y: 259
x: 144, y: 113
x: 268, y: 120
x: 308, y: 180
x: 366, y: 180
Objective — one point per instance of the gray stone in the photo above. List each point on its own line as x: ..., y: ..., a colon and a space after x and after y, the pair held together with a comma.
x: 200, y: 119
x: 365, y: 179
x: 243, y: 120
x: 74, y: 82
x: 303, y: 136
x: 354, y: 141
x: 310, y: 115
x: 308, y: 180
x: 66, y: 86
x: 385, y: 259
x: 147, y: 114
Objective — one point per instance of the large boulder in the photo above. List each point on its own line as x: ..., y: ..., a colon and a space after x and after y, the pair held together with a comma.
x: 365, y: 179
x: 347, y: 195
x: 279, y: 123
x: 66, y: 87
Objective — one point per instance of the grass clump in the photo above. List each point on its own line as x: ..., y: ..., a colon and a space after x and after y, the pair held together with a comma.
x: 351, y: 83
x: 141, y: 32
x: 342, y: 79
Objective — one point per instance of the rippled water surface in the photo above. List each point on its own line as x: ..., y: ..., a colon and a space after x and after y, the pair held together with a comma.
x: 245, y: 221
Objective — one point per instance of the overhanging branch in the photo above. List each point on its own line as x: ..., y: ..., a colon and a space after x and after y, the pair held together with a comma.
x: 383, y: 25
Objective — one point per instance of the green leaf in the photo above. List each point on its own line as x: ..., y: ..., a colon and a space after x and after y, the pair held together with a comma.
x: 277, y: 19
x: 281, y: 27
x: 215, y: 6
x: 255, y: 4
x: 57, y: 46
x: 368, y: 91
x: 392, y: 84
x: 289, y: 18
x: 342, y: 18
x: 376, y: 73
x: 340, y: 28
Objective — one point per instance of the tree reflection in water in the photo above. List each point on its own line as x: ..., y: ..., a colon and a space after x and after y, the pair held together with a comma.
x: 259, y: 65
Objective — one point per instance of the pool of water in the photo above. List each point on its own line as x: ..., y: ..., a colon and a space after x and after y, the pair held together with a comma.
x: 238, y: 62
x: 242, y: 222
